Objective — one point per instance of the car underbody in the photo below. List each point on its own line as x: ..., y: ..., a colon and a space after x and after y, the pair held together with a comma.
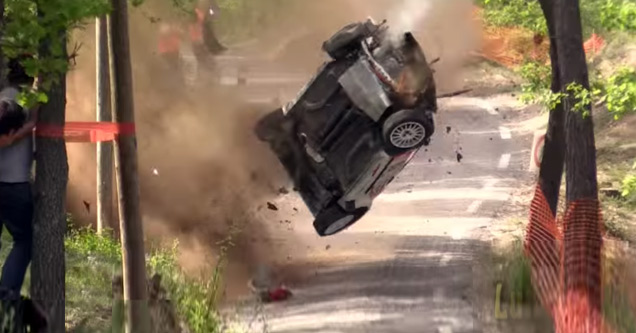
x: 356, y: 124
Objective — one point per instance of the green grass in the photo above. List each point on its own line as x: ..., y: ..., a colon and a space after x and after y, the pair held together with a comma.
x: 93, y: 260
x: 514, y: 272
x: 617, y: 310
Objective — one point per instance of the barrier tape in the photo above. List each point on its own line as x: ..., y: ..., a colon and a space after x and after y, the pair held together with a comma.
x: 86, y: 131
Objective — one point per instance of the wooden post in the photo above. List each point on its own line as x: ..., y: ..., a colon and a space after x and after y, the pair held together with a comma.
x: 131, y: 229
x: 104, y: 149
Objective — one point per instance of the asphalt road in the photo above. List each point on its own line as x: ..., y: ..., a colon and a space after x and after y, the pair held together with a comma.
x: 408, y: 266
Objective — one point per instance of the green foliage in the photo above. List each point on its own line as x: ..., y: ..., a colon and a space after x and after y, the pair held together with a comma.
x: 32, y: 24
x: 619, y: 92
x: 596, y: 15
x: 582, y: 98
x: 513, y: 13
x: 536, y: 86
x: 618, y: 15
x: 628, y: 188
x: 536, y: 77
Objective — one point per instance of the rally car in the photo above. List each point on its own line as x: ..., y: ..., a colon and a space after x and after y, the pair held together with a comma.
x: 356, y: 124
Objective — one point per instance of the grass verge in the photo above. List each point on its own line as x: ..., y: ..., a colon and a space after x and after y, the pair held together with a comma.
x: 93, y: 260
x: 517, y: 298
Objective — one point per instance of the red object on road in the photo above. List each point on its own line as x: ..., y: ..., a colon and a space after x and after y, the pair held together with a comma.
x: 279, y: 294
x: 86, y: 131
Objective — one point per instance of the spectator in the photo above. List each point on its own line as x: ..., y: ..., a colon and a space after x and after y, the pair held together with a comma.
x: 203, y: 30
x: 16, y: 159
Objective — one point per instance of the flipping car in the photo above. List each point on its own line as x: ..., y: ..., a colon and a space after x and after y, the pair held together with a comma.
x: 356, y: 124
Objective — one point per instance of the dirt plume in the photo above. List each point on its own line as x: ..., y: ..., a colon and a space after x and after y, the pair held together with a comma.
x: 201, y: 170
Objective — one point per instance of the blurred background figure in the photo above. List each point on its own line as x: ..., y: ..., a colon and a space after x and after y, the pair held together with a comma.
x: 207, y: 12
x: 169, y: 44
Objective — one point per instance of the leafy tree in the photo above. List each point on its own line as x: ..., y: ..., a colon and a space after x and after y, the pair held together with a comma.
x: 30, y: 23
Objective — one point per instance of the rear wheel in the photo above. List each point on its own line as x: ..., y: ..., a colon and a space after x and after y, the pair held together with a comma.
x: 406, y: 130
x: 344, y: 41
x: 334, y: 219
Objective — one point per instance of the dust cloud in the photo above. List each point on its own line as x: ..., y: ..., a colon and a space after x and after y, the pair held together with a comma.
x: 201, y: 170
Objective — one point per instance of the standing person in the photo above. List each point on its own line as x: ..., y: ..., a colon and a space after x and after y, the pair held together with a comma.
x: 210, y: 38
x: 16, y: 159
x: 202, y: 32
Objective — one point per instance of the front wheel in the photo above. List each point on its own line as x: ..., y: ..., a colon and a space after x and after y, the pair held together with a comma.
x: 334, y: 219
x: 406, y: 130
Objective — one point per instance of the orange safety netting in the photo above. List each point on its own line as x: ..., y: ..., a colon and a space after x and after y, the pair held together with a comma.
x: 511, y: 46
x: 85, y: 131
x: 566, y: 263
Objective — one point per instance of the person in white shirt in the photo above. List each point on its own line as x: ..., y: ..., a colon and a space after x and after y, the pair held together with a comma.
x: 16, y: 160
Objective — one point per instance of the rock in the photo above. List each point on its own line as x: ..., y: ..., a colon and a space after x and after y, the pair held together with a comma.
x: 283, y: 190
x: 271, y: 206
x: 459, y: 157
x: 448, y: 129
x: 327, y: 247
x: 610, y: 192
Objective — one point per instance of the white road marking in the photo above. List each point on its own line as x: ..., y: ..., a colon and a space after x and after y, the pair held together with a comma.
x: 229, y: 81
x: 233, y: 80
x: 478, y: 132
x: 490, y: 183
x: 504, y: 161
x: 474, y: 206
x: 262, y: 100
x: 444, y: 329
x: 445, y: 259
x: 505, y: 133
x: 471, y: 101
x: 273, y: 80
x: 499, y: 194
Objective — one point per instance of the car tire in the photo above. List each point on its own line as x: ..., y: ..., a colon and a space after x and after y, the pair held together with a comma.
x: 406, y: 130
x: 334, y: 219
x: 269, y: 126
x: 343, y: 42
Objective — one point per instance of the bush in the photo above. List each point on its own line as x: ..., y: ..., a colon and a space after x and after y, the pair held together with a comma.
x: 93, y: 260
x: 620, y: 92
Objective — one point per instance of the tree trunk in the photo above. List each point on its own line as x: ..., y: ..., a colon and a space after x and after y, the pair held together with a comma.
x: 104, y: 149
x: 552, y: 162
x: 582, y: 233
x: 48, y: 264
x: 131, y: 229
x: 580, y: 157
